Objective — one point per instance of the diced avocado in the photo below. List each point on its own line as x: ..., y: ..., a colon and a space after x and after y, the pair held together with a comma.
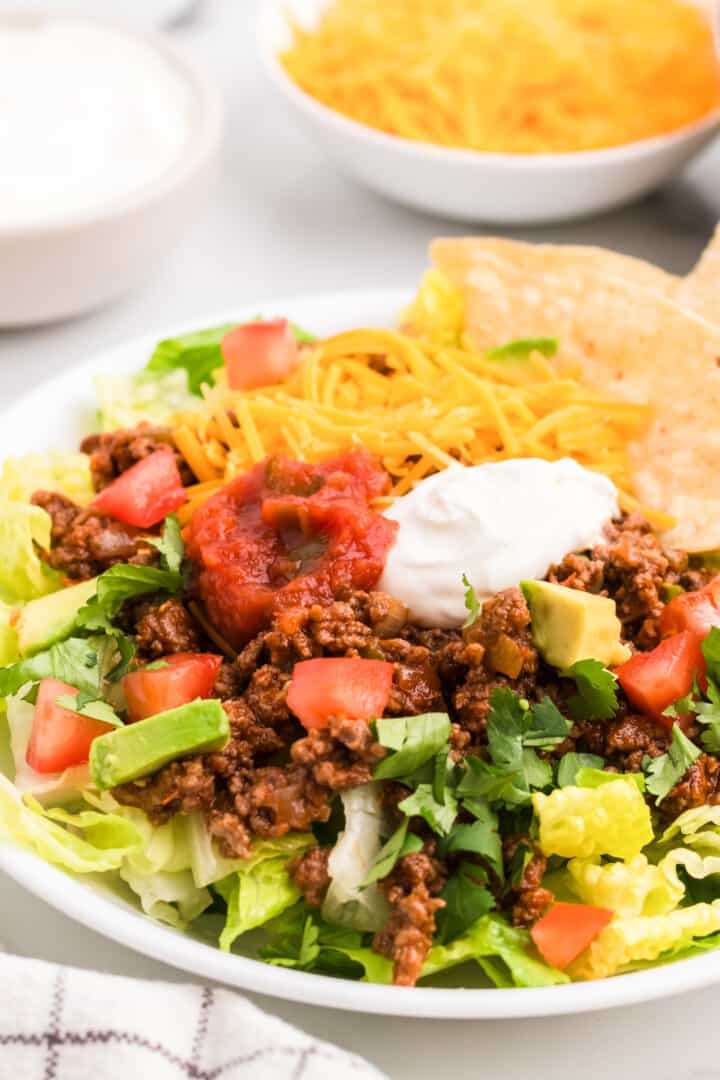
x: 50, y: 618
x: 569, y: 625
x: 139, y: 749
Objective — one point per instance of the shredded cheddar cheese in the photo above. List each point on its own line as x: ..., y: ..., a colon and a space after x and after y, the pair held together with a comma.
x: 416, y: 404
x: 517, y: 76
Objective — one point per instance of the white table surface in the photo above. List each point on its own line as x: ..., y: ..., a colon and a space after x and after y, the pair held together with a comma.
x: 282, y: 222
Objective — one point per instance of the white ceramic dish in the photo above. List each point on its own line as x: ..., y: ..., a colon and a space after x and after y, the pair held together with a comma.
x: 57, y: 414
x: 79, y: 262
x: 501, y: 189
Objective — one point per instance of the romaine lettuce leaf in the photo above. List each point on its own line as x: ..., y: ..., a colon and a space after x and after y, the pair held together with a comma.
x: 261, y: 888
x: 23, y: 575
x: 97, y: 843
x: 199, y: 354
x: 490, y: 940
x: 629, y: 942
x: 349, y: 902
x: 152, y: 396
x: 56, y: 470
x: 576, y: 822
x: 8, y: 637
x: 437, y: 312
x: 628, y: 888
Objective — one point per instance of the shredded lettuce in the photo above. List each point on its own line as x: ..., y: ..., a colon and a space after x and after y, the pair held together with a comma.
x: 56, y: 470
x: 23, y: 576
x: 502, y: 952
x: 349, y: 902
x: 262, y: 888
x: 576, y: 822
x: 155, y: 397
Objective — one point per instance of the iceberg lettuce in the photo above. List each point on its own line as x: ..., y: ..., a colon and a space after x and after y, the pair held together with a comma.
x: 8, y: 638
x: 437, y: 312
x: 155, y: 397
x: 576, y: 822
x: 56, y: 470
x: 23, y: 576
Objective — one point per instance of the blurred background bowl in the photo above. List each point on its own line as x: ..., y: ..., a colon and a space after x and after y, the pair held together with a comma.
x: 75, y: 263
x: 466, y: 185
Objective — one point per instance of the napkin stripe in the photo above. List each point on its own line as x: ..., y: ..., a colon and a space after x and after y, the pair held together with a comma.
x: 294, y: 1061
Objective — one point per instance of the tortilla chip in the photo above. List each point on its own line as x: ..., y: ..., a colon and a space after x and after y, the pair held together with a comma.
x: 629, y: 340
x: 699, y: 291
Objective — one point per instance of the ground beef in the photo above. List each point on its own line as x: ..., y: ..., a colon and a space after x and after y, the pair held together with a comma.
x: 623, y: 742
x: 498, y: 652
x: 113, y: 453
x: 340, y: 756
x: 162, y: 628
x: 631, y: 566
x: 85, y: 542
x: 310, y: 873
x: 528, y: 899
x: 698, y: 786
x: 412, y: 890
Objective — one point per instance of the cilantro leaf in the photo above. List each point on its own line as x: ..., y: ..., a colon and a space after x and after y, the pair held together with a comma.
x: 399, y: 844
x: 94, y: 708
x: 596, y: 698
x: 510, y: 724
x: 571, y: 764
x: 664, y: 772
x: 548, y: 726
x: 466, y: 897
x: 170, y: 545
x: 439, y: 815
x: 521, y: 348
x: 471, y: 603
x: 492, y: 782
x: 80, y: 662
x: 480, y: 837
x: 415, y: 740
x: 120, y: 583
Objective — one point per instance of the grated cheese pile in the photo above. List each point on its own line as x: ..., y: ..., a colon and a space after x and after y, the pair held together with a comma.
x: 419, y: 401
x: 517, y: 76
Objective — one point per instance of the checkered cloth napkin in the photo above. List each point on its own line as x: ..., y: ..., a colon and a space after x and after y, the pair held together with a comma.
x: 59, y: 1023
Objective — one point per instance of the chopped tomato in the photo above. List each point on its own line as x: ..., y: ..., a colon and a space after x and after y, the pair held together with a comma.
x: 654, y: 680
x: 567, y: 930
x: 146, y: 493
x: 259, y: 353
x: 356, y: 689
x: 186, y: 677
x: 697, y: 612
x: 59, y: 737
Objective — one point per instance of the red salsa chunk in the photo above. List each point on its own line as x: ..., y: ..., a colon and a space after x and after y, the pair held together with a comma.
x: 288, y: 534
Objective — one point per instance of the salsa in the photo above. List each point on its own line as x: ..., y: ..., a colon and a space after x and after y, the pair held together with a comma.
x: 288, y: 534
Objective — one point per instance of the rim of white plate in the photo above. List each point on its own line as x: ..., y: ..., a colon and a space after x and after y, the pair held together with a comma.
x: 118, y: 921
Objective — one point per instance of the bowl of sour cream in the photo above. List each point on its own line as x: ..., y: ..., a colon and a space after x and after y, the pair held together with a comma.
x: 108, y: 140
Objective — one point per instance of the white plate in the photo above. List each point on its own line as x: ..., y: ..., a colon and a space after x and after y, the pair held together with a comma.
x: 57, y: 414
x: 503, y: 189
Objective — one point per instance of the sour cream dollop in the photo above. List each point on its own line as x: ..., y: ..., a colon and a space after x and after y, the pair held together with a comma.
x: 498, y: 523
